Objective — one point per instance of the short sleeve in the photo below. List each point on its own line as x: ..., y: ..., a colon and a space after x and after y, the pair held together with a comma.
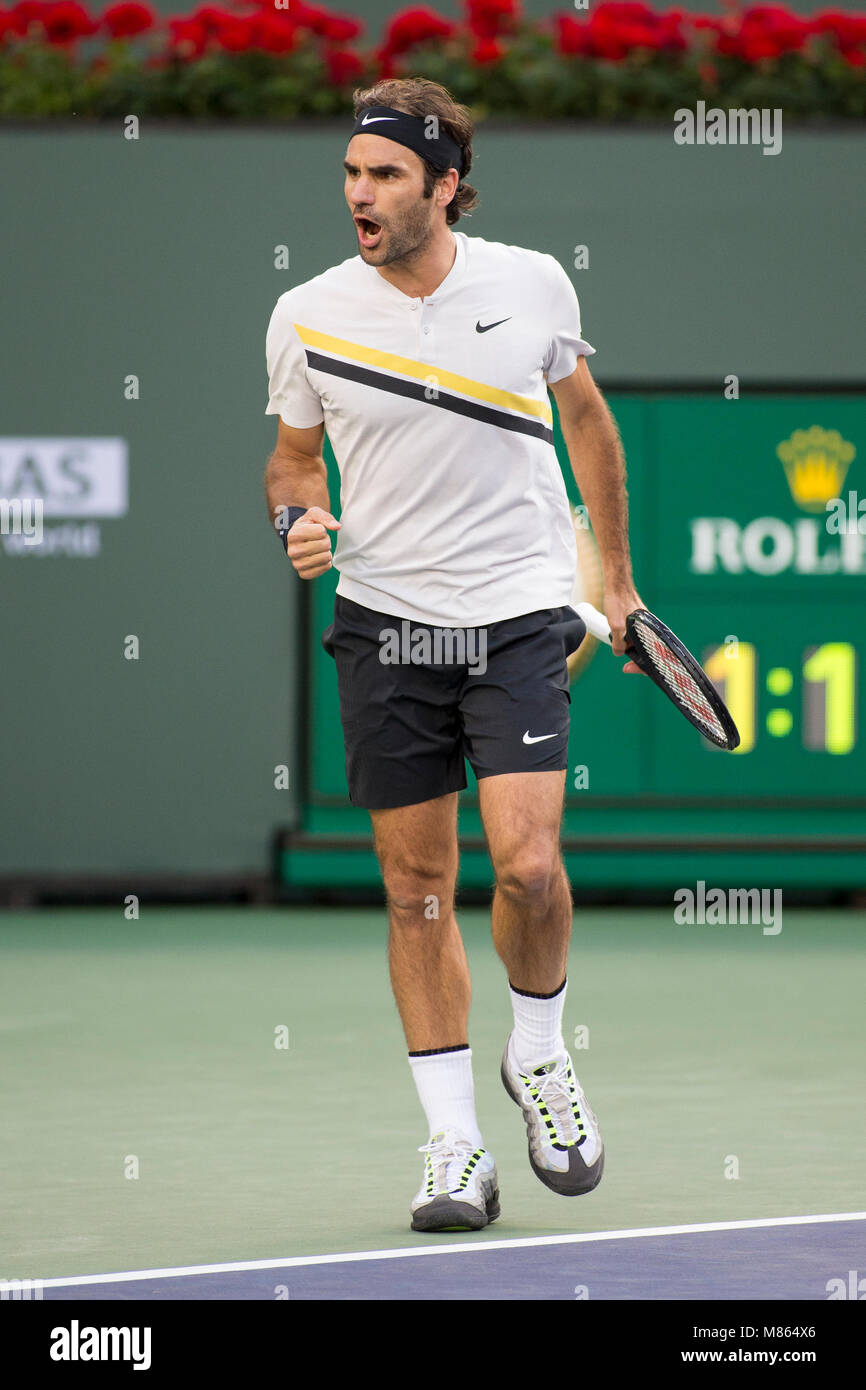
x: 290, y: 394
x: 566, y: 343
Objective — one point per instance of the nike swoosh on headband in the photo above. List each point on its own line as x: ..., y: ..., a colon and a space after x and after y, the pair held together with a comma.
x: 368, y: 120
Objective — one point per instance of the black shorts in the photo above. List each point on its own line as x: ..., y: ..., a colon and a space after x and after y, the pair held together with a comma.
x: 496, y: 695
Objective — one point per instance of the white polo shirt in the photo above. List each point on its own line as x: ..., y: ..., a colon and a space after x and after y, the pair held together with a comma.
x: 453, y: 506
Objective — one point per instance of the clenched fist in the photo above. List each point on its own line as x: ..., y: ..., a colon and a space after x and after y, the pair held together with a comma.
x: 308, y: 544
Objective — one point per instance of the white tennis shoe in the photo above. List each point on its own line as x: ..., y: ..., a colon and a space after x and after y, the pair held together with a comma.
x: 565, y: 1148
x: 460, y: 1189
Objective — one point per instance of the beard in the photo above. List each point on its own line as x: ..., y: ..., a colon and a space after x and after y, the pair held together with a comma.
x: 403, y: 241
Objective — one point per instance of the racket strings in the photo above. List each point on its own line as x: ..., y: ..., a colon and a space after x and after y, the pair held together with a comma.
x: 679, y: 679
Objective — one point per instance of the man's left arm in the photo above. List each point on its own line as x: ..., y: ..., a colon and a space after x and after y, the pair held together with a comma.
x: 598, y: 463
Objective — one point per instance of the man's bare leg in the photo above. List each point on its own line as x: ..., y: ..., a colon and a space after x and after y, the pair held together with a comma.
x: 418, y: 856
x: 532, y: 906
x: 531, y: 928
x: 417, y: 851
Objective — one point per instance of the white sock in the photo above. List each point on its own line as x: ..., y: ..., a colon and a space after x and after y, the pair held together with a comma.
x: 537, y: 1033
x: 446, y: 1091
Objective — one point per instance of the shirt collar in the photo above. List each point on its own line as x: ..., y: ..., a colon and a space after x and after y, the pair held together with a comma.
x: 451, y: 279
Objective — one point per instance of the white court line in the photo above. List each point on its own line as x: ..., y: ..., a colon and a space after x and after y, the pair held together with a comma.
x: 524, y: 1243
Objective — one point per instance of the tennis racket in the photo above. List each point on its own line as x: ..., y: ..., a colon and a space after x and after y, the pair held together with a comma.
x: 662, y: 656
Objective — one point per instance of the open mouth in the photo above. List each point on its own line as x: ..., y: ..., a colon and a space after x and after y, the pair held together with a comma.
x: 369, y: 231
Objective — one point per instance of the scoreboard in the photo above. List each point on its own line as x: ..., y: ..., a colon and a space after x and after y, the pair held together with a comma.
x: 748, y: 538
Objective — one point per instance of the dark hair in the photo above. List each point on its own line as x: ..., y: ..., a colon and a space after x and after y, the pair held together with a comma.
x: 418, y: 96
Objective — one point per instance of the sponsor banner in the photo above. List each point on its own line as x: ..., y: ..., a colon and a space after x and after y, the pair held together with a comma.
x: 759, y: 495
x: 73, y: 481
x: 72, y: 477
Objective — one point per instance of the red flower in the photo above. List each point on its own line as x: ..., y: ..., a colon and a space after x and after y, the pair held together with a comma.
x: 127, y: 18
x: 787, y: 30
x: 487, y: 51
x: 850, y: 25
x: 412, y: 27
x: 572, y: 37
x: 670, y: 33
x: 619, y: 12
x: 386, y: 66
x: 614, y: 30
x: 490, y: 18
x: 189, y: 36
x: 29, y: 12
x: 607, y: 43
x: 847, y: 29
x: 304, y: 15
x: 337, y: 28
x: 775, y: 18
x: 855, y: 59
x: 273, y: 31
x: 67, y: 21
x: 210, y: 17
x: 641, y: 36
x: 343, y: 67
x: 233, y: 33
x: 764, y: 31
x: 756, y: 47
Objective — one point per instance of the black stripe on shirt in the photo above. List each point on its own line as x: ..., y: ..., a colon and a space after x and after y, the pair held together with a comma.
x: 416, y: 391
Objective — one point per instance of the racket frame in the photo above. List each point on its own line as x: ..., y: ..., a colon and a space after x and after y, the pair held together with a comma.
x: 597, y: 626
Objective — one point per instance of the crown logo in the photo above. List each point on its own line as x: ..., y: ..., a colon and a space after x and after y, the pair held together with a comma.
x: 815, y: 462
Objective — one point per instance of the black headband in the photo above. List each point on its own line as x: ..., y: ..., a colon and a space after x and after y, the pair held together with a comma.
x: 412, y: 131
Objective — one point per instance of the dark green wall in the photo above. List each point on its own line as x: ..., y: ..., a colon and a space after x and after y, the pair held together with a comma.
x: 156, y: 258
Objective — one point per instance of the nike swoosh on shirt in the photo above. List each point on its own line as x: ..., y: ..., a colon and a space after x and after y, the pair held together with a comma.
x: 538, y: 738
x: 487, y: 326
x: 368, y: 120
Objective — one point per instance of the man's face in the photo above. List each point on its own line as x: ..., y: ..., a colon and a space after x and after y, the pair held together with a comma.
x: 385, y: 193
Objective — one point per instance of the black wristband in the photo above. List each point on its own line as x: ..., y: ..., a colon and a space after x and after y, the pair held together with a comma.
x: 287, y: 519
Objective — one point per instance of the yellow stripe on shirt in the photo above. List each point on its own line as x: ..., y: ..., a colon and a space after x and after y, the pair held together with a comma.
x: 408, y: 366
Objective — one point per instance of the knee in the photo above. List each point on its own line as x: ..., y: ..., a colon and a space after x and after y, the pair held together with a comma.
x: 530, y: 874
x: 416, y: 893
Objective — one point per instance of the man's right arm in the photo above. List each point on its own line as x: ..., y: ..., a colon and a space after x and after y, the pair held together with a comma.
x: 297, y: 476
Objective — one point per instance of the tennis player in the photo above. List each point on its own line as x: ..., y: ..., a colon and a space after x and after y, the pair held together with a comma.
x: 427, y: 356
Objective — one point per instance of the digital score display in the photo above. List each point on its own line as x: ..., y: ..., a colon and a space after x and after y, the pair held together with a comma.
x: 828, y: 702
x: 796, y: 703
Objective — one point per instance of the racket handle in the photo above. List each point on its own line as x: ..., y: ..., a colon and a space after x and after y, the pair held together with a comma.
x: 596, y: 623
